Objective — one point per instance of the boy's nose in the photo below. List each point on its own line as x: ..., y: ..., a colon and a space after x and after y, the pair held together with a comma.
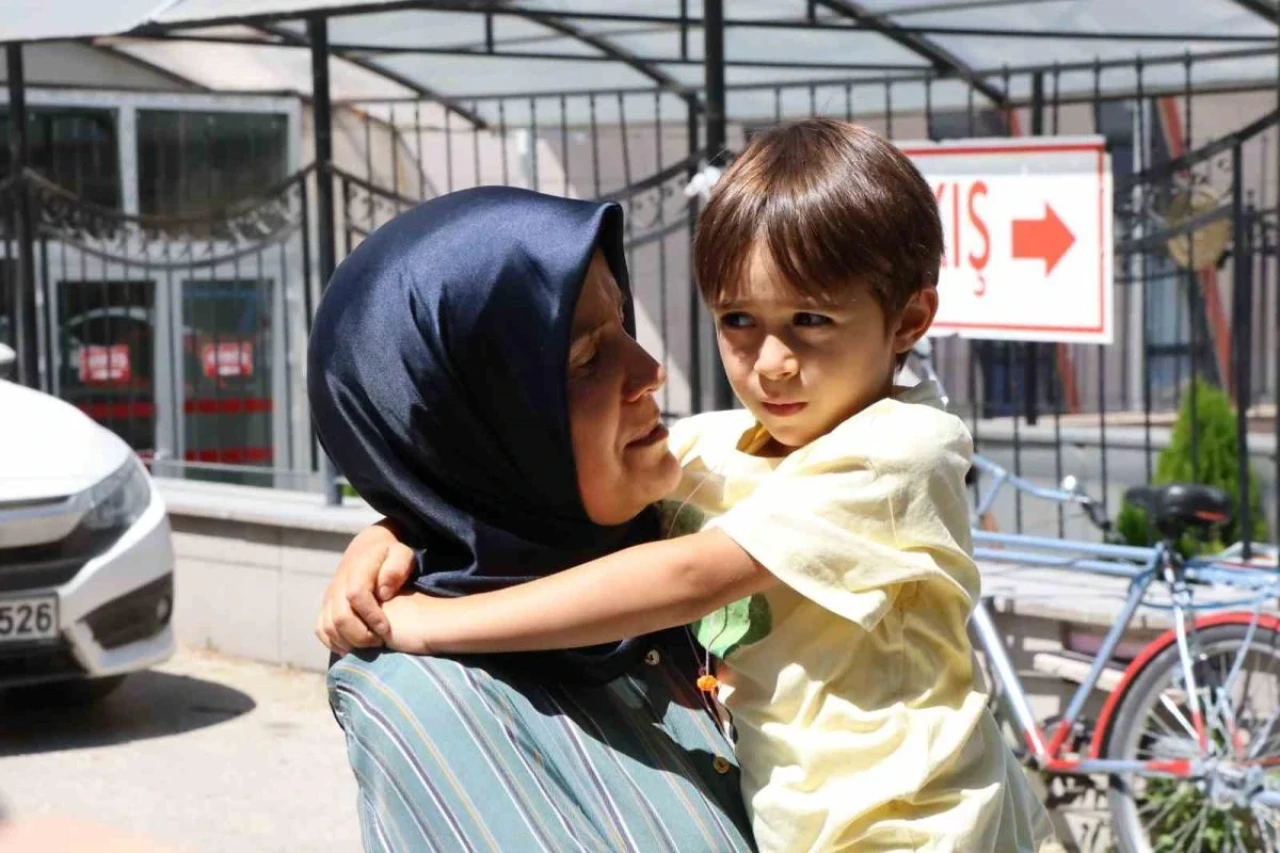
x: 776, y: 360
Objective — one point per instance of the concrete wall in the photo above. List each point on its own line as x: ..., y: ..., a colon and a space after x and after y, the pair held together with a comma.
x: 253, y: 590
x: 252, y: 565
x: 251, y: 586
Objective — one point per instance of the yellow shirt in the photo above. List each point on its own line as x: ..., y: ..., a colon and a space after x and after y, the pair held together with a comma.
x: 852, y: 684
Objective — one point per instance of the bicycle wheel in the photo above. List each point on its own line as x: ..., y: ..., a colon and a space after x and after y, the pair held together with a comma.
x: 1239, y: 692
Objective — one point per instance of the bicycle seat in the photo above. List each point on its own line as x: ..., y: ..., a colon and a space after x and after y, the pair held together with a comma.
x: 1179, y: 507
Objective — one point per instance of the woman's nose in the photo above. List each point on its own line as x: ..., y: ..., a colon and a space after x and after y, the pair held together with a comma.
x: 776, y: 360
x: 645, y: 374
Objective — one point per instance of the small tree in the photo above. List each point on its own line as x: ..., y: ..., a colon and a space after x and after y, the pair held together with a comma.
x: 1216, y: 464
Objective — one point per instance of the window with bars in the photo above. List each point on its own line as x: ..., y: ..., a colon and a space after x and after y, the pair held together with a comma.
x: 75, y: 148
x: 191, y: 163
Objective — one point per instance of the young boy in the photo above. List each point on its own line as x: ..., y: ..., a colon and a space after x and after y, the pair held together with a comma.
x: 828, y: 561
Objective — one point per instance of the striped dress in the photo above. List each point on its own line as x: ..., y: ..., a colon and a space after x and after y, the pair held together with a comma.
x: 455, y: 757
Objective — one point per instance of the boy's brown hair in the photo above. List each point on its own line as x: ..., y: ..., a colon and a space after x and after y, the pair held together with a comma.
x: 834, y: 204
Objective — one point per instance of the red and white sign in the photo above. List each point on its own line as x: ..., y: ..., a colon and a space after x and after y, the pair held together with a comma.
x: 227, y: 358
x: 1028, y: 237
x: 104, y: 365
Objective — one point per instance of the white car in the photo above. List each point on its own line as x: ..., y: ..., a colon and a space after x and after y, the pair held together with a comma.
x: 86, y: 554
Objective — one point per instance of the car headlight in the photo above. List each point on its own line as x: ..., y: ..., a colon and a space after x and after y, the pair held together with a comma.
x: 119, y: 499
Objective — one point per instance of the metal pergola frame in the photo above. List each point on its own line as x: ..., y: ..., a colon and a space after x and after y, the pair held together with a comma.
x: 706, y: 102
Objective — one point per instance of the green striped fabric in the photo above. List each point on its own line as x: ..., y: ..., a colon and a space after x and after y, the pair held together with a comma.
x: 453, y: 757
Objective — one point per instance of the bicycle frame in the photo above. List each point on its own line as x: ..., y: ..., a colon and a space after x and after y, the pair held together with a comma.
x: 1141, y: 567
x: 1046, y: 749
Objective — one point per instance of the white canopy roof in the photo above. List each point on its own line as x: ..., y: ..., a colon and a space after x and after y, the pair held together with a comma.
x: 395, y: 49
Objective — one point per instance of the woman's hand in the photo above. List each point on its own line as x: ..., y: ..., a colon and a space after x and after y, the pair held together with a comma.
x: 374, y: 568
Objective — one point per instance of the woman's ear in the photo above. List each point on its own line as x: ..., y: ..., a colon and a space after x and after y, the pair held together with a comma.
x: 915, y: 319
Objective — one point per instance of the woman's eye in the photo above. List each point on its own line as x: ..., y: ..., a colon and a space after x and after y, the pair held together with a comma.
x: 807, y: 318
x: 736, y: 320
x: 584, y: 360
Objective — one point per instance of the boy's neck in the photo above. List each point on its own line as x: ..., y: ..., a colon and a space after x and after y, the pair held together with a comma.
x: 773, y: 449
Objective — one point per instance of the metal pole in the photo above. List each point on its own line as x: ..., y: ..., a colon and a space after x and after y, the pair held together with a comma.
x: 1275, y: 387
x: 1031, y: 350
x: 713, y: 53
x: 1242, y: 305
x: 321, y: 117
x: 24, y: 295
x: 695, y: 302
x: 713, y: 50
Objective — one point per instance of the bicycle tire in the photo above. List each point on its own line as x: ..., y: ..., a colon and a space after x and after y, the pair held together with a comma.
x: 1126, y: 737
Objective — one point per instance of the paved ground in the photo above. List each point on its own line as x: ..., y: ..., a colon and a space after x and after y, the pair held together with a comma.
x: 206, y: 753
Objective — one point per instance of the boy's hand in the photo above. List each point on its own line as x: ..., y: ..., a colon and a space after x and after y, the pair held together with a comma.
x: 374, y: 568
x: 409, y: 617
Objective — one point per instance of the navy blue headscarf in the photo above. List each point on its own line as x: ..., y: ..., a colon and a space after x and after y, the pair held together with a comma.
x: 437, y: 367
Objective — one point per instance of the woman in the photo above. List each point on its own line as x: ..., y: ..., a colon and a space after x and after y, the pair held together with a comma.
x: 472, y: 377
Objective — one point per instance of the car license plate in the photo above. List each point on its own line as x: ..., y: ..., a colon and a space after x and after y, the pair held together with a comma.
x: 31, y: 618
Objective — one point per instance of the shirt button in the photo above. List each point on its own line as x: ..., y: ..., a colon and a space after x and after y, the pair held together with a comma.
x: 653, y: 658
x: 721, y: 765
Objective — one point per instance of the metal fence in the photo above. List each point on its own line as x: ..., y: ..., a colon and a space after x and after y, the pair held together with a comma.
x: 226, y: 296
x: 639, y: 149
x: 181, y: 334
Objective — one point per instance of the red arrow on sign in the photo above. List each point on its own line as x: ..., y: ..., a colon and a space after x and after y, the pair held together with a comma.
x: 1046, y: 239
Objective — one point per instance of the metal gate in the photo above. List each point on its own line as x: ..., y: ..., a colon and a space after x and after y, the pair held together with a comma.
x: 208, y: 377
x: 182, y: 335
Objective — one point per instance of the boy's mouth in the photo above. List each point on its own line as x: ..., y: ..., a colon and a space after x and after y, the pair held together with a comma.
x: 782, y: 410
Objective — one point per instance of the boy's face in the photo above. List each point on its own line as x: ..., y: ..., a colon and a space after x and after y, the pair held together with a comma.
x: 802, y: 367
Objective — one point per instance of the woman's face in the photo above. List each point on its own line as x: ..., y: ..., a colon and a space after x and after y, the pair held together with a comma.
x: 619, y: 443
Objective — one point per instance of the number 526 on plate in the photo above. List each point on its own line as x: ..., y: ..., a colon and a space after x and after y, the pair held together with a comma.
x: 29, y: 618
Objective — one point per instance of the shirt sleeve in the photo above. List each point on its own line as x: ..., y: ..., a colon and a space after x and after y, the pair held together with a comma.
x: 848, y: 529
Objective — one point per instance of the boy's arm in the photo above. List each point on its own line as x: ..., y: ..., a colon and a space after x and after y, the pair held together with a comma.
x: 636, y: 591
x: 375, y: 567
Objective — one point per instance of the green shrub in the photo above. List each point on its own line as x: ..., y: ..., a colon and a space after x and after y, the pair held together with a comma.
x: 1216, y: 465
x: 1174, y: 803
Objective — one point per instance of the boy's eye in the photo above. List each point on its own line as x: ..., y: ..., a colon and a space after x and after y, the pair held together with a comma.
x: 808, y: 318
x: 736, y: 320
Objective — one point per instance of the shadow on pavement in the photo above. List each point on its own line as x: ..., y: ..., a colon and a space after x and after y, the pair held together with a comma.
x: 148, y: 705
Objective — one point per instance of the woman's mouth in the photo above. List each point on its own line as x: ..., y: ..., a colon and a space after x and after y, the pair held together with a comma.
x: 782, y: 410
x: 654, y: 436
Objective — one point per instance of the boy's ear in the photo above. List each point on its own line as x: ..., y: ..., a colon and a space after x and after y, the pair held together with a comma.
x: 915, y: 319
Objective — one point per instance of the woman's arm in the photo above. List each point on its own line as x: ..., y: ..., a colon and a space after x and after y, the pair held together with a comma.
x: 636, y: 591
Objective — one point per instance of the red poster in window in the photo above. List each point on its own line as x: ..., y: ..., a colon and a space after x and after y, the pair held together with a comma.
x: 227, y: 358
x: 107, y: 365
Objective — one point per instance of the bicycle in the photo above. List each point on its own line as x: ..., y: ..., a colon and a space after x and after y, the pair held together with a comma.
x: 1189, y: 768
